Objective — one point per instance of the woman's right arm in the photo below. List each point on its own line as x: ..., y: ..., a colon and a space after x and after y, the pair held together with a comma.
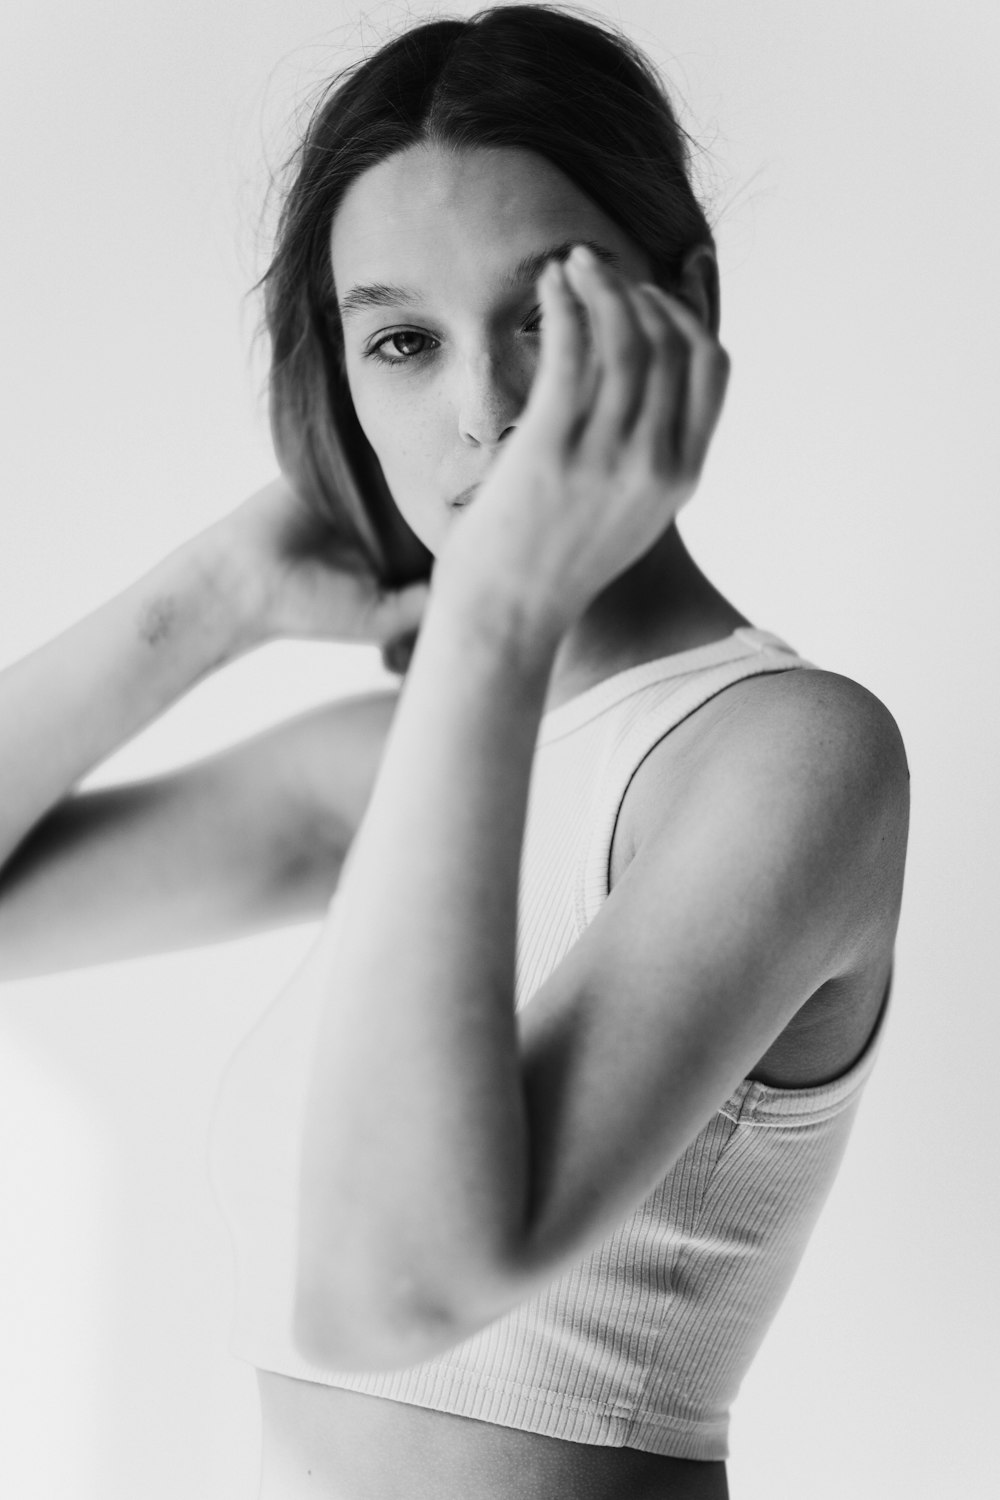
x: 245, y: 838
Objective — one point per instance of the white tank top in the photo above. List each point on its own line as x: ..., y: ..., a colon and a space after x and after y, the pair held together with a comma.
x: 645, y: 1342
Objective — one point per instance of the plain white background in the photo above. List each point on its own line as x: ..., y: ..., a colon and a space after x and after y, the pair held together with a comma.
x: 850, y: 506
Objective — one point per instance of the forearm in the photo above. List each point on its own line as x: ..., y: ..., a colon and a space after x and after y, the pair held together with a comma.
x: 74, y: 701
x: 416, y: 1162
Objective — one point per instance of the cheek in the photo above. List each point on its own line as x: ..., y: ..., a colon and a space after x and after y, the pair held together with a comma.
x: 402, y: 424
x: 395, y: 420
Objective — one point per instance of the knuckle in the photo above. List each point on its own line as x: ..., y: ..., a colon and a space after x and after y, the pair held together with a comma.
x: 720, y: 368
x: 719, y: 355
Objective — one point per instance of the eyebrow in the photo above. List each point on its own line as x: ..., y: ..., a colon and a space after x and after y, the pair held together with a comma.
x: 528, y: 269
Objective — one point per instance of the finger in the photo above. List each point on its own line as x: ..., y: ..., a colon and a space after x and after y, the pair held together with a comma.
x: 621, y: 348
x: 687, y: 322
x: 707, y: 379
x: 558, y: 390
x: 397, y: 612
x: 397, y: 653
x: 661, y: 419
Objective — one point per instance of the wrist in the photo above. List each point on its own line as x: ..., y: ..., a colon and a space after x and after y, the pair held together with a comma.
x: 491, y: 621
x: 497, y: 610
x: 206, y: 582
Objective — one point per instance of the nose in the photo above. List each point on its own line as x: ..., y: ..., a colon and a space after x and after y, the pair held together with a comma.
x: 489, y: 400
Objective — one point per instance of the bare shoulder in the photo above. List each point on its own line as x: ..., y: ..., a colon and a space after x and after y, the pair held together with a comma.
x: 807, y: 758
x: 824, y: 723
x: 802, y: 722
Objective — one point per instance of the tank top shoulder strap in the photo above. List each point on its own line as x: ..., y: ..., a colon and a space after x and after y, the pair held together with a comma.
x: 663, y: 695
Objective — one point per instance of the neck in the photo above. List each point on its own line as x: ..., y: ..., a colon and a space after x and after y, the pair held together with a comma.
x: 661, y: 605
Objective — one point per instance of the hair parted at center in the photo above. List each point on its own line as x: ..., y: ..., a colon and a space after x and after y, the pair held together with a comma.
x: 531, y: 77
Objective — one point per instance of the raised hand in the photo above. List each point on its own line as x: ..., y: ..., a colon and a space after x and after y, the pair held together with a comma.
x: 298, y: 580
x: 611, y: 444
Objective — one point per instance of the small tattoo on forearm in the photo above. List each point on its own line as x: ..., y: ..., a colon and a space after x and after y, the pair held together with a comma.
x: 158, y: 621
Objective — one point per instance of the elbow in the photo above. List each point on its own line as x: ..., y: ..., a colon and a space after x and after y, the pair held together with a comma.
x: 361, y: 1324
x: 366, y: 1304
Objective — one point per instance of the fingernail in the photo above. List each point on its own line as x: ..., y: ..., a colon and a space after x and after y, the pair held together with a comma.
x: 582, y: 255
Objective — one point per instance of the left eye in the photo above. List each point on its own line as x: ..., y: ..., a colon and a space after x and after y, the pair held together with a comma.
x: 406, y: 344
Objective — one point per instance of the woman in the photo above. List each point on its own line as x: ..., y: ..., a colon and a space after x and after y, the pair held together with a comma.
x: 520, y: 1163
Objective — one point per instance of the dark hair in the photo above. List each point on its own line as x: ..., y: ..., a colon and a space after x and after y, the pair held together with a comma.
x: 533, y: 77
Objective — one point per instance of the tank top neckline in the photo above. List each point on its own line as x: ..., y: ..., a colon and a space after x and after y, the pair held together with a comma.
x: 565, y: 717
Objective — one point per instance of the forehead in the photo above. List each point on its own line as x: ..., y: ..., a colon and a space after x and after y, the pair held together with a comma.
x: 431, y: 213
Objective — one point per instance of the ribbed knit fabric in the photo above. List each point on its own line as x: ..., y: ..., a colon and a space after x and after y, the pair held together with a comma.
x: 645, y: 1342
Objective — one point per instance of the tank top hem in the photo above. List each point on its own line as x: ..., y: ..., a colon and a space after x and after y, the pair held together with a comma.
x: 529, y: 1408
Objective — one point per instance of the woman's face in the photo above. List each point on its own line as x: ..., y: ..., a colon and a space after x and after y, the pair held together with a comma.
x: 435, y: 255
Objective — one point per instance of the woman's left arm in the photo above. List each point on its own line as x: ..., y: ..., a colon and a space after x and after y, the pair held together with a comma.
x: 457, y: 1157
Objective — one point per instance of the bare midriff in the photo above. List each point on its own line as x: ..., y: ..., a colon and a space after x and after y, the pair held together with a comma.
x: 324, y: 1443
